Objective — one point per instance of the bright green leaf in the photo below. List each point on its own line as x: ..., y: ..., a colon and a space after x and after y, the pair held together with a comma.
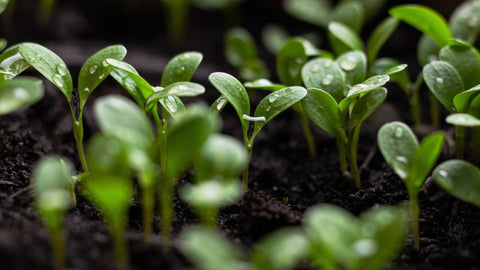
x: 354, y: 66
x: 324, y: 74
x: 379, y: 36
x: 424, y: 159
x: 181, y: 68
x: 290, y: 61
x: 346, y: 36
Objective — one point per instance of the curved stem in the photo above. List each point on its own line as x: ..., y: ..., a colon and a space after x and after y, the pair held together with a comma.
x: 306, y: 130
x: 54, y: 223
x: 342, y: 157
x: 459, y: 141
x: 414, y: 213
x: 415, y: 101
x: 353, y: 145
x: 78, y: 135
x: 249, y: 146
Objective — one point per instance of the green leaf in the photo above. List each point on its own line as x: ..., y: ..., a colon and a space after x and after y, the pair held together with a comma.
x: 264, y: 84
x: 379, y: 36
x: 463, y: 119
x: 460, y: 178
x: 235, y: 93
x: 119, y: 117
x: 275, y: 103
x: 253, y: 69
x: 393, y: 68
x: 208, y: 249
x: 311, y: 11
x: 372, y: 8
x: 129, y: 78
x: 11, y: 63
x: 50, y: 65
x: 53, y: 184
x: 274, y: 37
x: 107, y: 154
x: 398, y: 145
x: 444, y: 82
x: 464, y: 21
x: 361, y: 89
x: 3, y: 5
x: 354, y: 66
x: 426, y: 20
x: 365, y: 106
x: 465, y: 60
x: 186, y: 136
x: 463, y: 100
x: 212, y: 193
x: 290, y: 61
x: 181, y: 68
x: 424, y: 159
x: 239, y: 46
x: 19, y: 93
x: 179, y: 89
x: 95, y: 70
x: 275, y: 251
x: 173, y: 105
x: 346, y: 36
x: 427, y: 50
x: 323, y: 110
x: 350, y: 13
x: 324, y: 74
x: 221, y: 155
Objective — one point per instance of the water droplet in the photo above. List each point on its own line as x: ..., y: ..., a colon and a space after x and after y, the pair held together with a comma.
x: 57, y: 79
x: 439, y: 80
x: 268, y: 108
x: 272, y: 98
x: 62, y: 69
x: 315, y: 68
x: 240, y: 89
x: 401, y: 159
x: 398, y: 132
x: 157, y: 89
x: 365, y: 248
x: 184, y: 57
x: 20, y: 93
x: 348, y: 64
x: 86, y: 89
x: 182, y: 68
x: 105, y: 63
x: 443, y: 173
x: 101, y: 76
x: 327, y: 80
x: 327, y: 63
x: 93, y: 69
x: 288, y: 90
x: 171, y: 104
x: 220, y: 103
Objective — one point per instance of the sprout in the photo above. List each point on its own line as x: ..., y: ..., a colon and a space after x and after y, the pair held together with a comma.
x: 338, y: 240
x: 92, y: 73
x: 54, y: 195
x: 410, y: 160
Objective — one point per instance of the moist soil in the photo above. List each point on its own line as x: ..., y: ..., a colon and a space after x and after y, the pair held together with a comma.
x: 284, y: 179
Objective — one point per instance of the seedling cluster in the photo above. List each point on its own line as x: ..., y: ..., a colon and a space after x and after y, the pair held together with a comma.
x: 148, y: 141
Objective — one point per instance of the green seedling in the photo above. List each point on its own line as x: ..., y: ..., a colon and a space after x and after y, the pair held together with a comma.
x: 453, y: 81
x: 410, y: 160
x: 92, y: 73
x: 217, y: 169
x: 468, y: 120
x: 460, y: 179
x: 54, y: 195
x: 339, y: 240
x: 207, y: 249
x: 241, y: 52
x: 337, y: 90
x: 273, y: 104
x: 322, y: 12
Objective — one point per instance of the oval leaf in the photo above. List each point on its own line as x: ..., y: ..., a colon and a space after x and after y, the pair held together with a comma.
x: 346, y: 36
x: 179, y: 89
x: 379, y: 36
x: 19, y: 93
x: 354, y: 65
x: 464, y: 21
x: 212, y: 193
x: 444, y: 82
x: 181, y: 68
x: 290, y: 61
x: 325, y: 74
x: 239, y: 46
x: 424, y: 159
x: 365, y: 106
x: 465, y: 60
x: 351, y: 14
x: 463, y: 119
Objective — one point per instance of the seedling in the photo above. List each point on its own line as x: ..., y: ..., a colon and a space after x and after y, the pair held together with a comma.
x: 467, y: 120
x: 410, y: 160
x: 207, y: 249
x: 92, y: 73
x: 460, y: 179
x: 273, y: 104
x: 338, y: 240
x: 54, y: 195
x: 217, y: 168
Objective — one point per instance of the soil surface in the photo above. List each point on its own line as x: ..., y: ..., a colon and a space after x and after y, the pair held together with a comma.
x: 280, y: 168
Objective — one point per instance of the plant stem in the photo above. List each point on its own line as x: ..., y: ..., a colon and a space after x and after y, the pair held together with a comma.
x: 306, y: 129
x: 166, y: 210
x: 54, y: 223
x: 414, y: 213
x: 148, y: 203
x: 459, y: 141
x: 415, y: 101
x: 353, y: 145
x: 434, y: 111
x: 249, y: 146
x: 119, y: 244
x: 342, y: 157
x: 78, y: 135
x: 475, y: 132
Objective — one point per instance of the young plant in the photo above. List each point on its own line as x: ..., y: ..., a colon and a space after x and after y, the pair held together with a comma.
x: 468, y: 120
x: 410, y: 160
x: 273, y: 104
x: 339, y: 240
x: 460, y: 179
x: 54, y: 195
x: 217, y: 168
x: 92, y: 73
x: 207, y: 249
x: 337, y: 90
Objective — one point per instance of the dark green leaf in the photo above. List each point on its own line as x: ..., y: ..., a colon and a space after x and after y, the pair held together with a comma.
x: 424, y: 159
x: 360, y: 89
x: 354, y: 65
x: 96, y: 69
x: 50, y: 65
x: 181, y: 68
x: 239, y: 46
x: 108, y: 155
x: 398, y: 145
x: 465, y: 60
x: 345, y: 36
x: 290, y: 61
x: 427, y: 50
x: 11, y: 63
x: 311, y: 11
x: 253, y: 69
x: 463, y: 100
x: 350, y: 13
x: 19, y: 93
x: 426, y: 20
x: 324, y: 74
x: 460, y: 178
x: 394, y: 69
x: 464, y: 21
x: 379, y: 36
x: 444, y: 82
x: 365, y: 106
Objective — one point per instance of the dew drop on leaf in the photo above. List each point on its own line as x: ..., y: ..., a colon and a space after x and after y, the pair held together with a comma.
x: 365, y: 248
x: 315, y: 68
x: 62, y: 69
x: 327, y: 80
x: 171, y: 104
x: 328, y: 63
x: 443, y: 173
x: 101, y: 76
x: 439, y: 80
x: 20, y: 93
x: 268, y: 108
x: 93, y: 69
x: 220, y: 104
x: 86, y: 89
x: 57, y: 79
x: 348, y: 64
x: 401, y: 159
x: 398, y: 132
x: 105, y: 63
x: 272, y: 98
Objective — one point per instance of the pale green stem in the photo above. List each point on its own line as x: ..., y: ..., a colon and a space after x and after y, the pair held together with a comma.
x: 54, y: 222
x: 459, y: 141
x: 415, y: 101
x: 166, y: 210
x: 414, y: 213
x: 353, y: 145
x: 306, y: 129
x: 78, y: 135
x: 249, y: 147
x: 208, y: 216
x: 475, y: 131
x: 342, y: 157
x: 119, y: 243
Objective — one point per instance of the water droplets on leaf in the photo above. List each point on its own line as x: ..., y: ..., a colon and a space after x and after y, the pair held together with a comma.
x: 439, y: 80
x: 93, y: 69
x: 365, y: 248
x: 273, y: 97
x: 315, y: 68
x: 105, y: 63
x: 443, y: 173
x: 157, y: 89
x: 327, y: 80
x: 348, y: 64
x: 10, y: 60
x: 220, y: 103
x: 20, y: 93
x: 184, y: 57
x: 58, y: 80
x: 62, y: 69
x: 171, y: 104
x: 86, y: 89
x: 268, y: 108
x: 101, y: 76
x: 327, y: 63
x: 401, y: 159
x: 398, y: 132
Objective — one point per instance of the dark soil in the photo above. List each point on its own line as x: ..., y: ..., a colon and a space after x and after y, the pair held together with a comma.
x: 280, y: 168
